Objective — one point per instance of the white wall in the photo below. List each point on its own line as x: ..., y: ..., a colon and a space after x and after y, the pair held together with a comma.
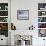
x: 23, y: 4
x: 32, y: 6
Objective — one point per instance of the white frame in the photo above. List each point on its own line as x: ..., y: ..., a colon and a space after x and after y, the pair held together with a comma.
x: 22, y: 14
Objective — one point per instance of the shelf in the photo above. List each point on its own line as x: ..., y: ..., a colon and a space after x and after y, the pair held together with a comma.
x: 41, y: 10
x: 3, y: 16
x: 41, y: 22
x: 41, y: 28
x: 4, y: 19
x: 3, y: 10
x: 42, y: 19
x: 3, y: 22
x: 42, y: 16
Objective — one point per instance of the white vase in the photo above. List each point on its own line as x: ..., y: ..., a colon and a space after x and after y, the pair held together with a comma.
x: 22, y: 43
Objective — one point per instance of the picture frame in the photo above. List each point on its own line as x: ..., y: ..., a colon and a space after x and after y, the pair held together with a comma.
x: 22, y: 14
x: 42, y: 33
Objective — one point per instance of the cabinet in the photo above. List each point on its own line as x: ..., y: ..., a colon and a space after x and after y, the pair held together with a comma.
x: 3, y: 40
x: 4, y: 19
x: 42, y: 19
x: 42, y: 41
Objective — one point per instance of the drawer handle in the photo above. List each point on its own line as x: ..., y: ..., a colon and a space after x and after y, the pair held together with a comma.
x: 1, y: 39
x: 43, y: 39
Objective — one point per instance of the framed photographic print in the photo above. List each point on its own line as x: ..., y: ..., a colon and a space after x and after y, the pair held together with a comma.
x: 42, y: 32
x: 22, y: 14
